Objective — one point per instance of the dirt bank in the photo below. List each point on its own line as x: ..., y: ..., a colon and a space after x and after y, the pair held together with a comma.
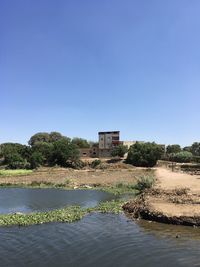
x: 174, y: 199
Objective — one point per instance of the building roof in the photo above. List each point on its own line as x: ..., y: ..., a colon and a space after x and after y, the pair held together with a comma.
x: 111, y: 132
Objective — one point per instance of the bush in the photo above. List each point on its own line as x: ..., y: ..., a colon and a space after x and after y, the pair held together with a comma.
x: 144, y: 154
x: 77, y: 164
x: 15, y: 161
x: 144, y: 182
x: 119, y: 151
x: 181, y: 157
x: 95, y: 163
x: 196, y: 159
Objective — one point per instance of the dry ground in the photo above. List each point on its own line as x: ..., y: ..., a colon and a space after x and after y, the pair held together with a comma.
x: 174, y: 199
x: 178, y: 194
x: 109, y: 176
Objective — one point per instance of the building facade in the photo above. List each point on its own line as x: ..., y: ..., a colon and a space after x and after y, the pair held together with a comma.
x: 92, y: 152
x: 107, y: 141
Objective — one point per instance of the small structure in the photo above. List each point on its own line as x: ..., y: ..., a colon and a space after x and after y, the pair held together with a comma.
x: 92, y: 152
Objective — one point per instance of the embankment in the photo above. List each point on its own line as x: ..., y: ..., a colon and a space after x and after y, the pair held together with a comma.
x: 174, y: 199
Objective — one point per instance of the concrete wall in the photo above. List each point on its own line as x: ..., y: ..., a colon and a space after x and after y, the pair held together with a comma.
x: 92, y: 152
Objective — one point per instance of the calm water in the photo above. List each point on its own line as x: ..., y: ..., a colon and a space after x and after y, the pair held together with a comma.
x: 100, y: 240
x: 31, y: 200
x: 97, y: 240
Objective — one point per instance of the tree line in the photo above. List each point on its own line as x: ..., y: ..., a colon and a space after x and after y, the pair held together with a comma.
x: 50, y: 149
x: 43, y: 149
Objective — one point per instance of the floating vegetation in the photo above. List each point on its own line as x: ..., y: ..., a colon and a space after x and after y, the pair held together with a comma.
x: 113, y: 206
x: 65, y: 215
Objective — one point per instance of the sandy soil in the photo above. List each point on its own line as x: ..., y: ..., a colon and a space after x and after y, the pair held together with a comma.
x: 168, y: 180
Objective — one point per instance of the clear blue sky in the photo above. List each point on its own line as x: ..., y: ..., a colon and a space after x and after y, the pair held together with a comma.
x: 79, y: 67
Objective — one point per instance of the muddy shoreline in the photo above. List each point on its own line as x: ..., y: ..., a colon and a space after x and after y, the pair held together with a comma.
x: 140, y: 208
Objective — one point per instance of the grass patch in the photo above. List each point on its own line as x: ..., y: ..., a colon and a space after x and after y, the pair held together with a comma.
x: 14, y: 172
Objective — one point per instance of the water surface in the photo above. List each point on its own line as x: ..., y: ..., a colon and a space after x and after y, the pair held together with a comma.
x: 32, y: 199
x: 100, y: 240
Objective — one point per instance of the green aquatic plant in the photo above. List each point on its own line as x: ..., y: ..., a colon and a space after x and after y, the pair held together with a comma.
x: 113, y: 206
x: 65, y: 215
x: 68, y: 214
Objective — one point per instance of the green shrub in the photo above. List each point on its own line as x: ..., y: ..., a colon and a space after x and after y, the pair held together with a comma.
x: 15, y: 161
x: 144, y: 182
x: 119, y: 151
x: 95, y: 163
x: 144, y: 154
x: 181, y: 157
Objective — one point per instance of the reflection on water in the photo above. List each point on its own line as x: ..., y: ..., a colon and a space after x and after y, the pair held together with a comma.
x: 31, y: 200
x: 99, y: 240
x: 161, y: 230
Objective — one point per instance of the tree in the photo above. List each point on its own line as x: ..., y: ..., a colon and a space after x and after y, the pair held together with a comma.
x: 37, y: 159
x: 182, y: 157
x: 64, y: 153
x: 15, y: 151
x: 39, y: 137
x: 80, y: 142
x: 173, y: 149
x: 187, y: 148
x: 55, y: 136
x: 15, y: 161
x: 195, y: 149
x: 44, y: 137
x: 144, y: 154
x: 45, y: 149
x: 119, y: 151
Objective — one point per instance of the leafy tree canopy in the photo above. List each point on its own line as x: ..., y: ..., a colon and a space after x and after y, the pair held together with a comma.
x: 144, y: 154
x: 182, y: 157
x: 173, y: 149
x: 195, y: 149
x: 64, y: 152
x: 80, y: 142
x: 45, y: 138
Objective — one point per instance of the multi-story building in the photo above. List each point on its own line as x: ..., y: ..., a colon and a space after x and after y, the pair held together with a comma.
x: 107, y: 141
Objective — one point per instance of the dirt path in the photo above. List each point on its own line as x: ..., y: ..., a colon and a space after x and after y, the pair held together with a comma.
x: 168, y: 180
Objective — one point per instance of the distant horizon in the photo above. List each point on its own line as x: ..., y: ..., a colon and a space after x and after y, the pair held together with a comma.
x: 79, y: 67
